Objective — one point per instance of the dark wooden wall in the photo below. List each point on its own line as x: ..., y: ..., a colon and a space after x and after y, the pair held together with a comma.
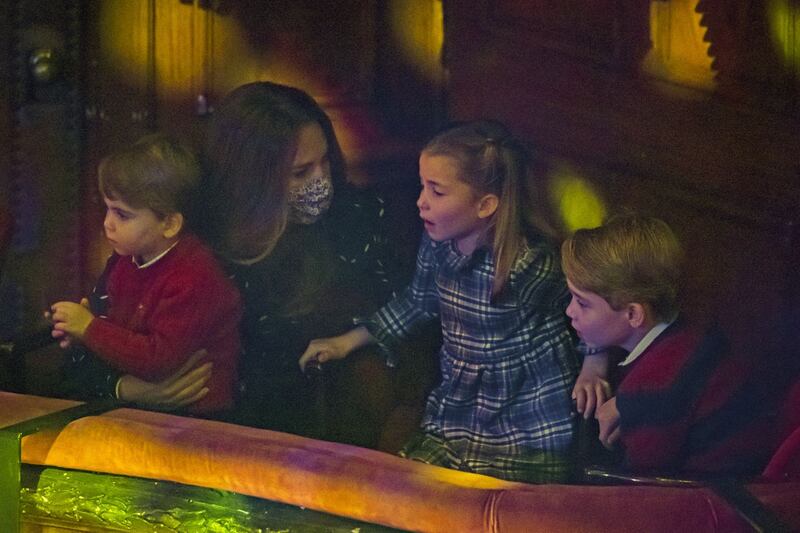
x: 683, y: 109
x: 40, y: 161
x: 129, y: 67
x: 164, y: 65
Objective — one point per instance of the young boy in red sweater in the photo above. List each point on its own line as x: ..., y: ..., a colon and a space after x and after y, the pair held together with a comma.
x: 165, y: 295
x: 683, y: 403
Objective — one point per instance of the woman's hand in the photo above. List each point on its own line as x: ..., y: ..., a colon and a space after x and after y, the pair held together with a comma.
x: 591, y: 389
x: 184, y: 387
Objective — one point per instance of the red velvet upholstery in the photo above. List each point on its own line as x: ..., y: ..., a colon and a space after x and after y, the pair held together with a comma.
x: 785, y: 463
x: 790, y: 411
x: 365, y: 484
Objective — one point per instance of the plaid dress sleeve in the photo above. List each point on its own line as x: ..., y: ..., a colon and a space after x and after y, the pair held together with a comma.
x: 416, y: 305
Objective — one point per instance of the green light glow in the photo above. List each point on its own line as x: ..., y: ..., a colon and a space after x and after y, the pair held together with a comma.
x: 784, y: 25
x: 89, y: 501
x: 577, y: 202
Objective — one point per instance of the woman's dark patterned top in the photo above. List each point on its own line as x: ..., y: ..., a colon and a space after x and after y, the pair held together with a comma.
x: 318, y: 277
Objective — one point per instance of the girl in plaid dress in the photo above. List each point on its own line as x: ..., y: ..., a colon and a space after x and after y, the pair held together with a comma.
x: 508, y: 361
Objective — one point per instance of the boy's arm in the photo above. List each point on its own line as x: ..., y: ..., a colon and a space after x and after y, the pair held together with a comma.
x: 651, y: 442
x: 658, y: 398
x: 189, y: 311
x: 608, y: 419
x: 591, y: 388
x: 70, y: 320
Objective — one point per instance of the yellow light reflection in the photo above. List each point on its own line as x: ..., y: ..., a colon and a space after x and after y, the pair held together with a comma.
x: 418, y: 29
x: 182, y: 56
x: 123, y: 40
x: 679, y: 52
x: 578, y: 203
x: 185, y: 65
x: 466, y: 479
x: 784, y: 25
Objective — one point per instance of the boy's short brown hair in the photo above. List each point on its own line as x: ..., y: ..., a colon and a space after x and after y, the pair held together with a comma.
x: 157, y: 172
x: 629, y: 259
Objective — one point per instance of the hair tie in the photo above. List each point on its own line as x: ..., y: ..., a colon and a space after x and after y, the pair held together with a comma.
x: 505, y: 142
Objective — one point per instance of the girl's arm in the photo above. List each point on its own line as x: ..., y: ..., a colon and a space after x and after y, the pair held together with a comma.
x: 322, y: 350
x: 416, y: 305
x: 394, y: 321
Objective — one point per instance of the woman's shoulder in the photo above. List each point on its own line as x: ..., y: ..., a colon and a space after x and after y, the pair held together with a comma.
x: 357, y: 218
x: 351, y: 204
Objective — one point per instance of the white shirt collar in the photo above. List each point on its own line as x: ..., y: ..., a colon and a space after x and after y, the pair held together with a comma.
x: 155, y: 259
x: 646, y: 341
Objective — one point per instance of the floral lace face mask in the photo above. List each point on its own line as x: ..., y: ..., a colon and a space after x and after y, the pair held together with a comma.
x: 311, y: 200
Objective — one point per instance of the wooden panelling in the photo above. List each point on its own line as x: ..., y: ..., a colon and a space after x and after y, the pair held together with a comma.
x: 136, y: 66
x: 164, y: 65
x: 718, y: 162
x: 40, y: 134
x: 582, y: 26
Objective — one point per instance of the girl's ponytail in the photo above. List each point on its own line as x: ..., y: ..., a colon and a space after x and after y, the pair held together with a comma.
x: 493, y: 162
x: 508, y: 224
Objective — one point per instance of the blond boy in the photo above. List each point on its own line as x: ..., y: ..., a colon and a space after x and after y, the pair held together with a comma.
x: 163, y: 294
x: 682, y: 402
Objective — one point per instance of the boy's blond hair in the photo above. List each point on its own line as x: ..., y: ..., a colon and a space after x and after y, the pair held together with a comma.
x: 630, y: 259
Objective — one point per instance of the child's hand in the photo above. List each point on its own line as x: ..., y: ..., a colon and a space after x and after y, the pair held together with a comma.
x: 70, y: 320
x: 322, y: 350
x: 608, y: 417
x: 591, y: 389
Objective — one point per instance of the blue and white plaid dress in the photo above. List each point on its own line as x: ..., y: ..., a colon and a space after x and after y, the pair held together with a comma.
x: 508, y: 366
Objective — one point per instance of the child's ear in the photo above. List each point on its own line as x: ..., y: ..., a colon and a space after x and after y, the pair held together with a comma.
x: 637, y: 315
x: 488, y: 205
x: 173, y: 224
